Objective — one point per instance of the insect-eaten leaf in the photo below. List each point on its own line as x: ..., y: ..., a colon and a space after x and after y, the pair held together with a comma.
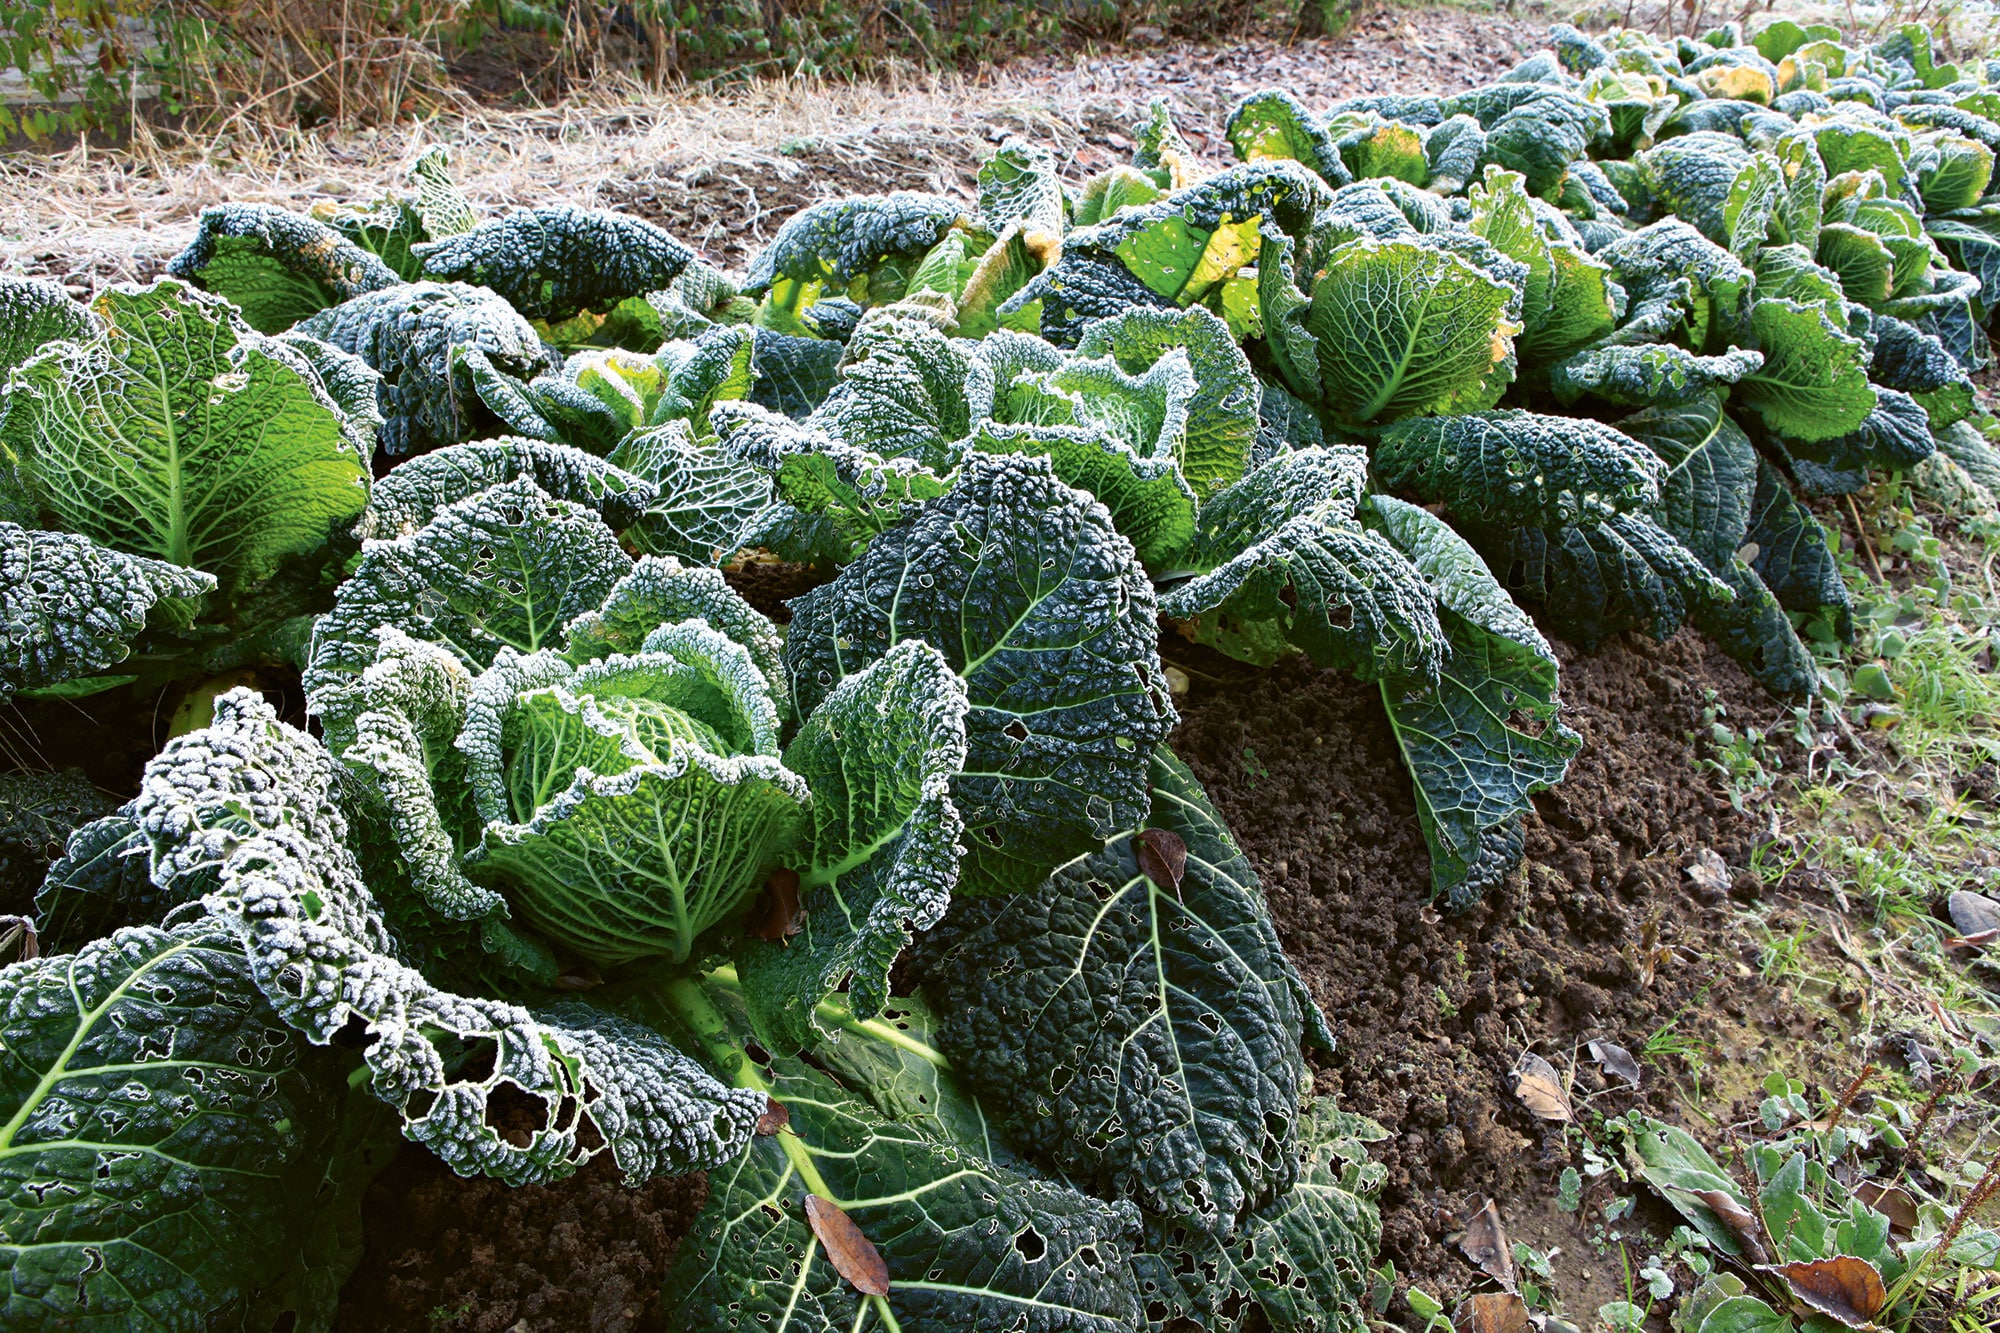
x: 1484, y: 1242
x: 775, y: 1117
x: 1491, y: 1312
x: 778, y: 907
x: 1615, y: 1060
x: 1844, y: 1288
x: 1742, y: 1223
x: 1163, y: 858
x: 1541, y: 1089
x: 852, y: 1254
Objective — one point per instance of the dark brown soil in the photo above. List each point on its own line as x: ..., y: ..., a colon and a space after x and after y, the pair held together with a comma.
x: 1431, y: 1012
x: 475, y: 1256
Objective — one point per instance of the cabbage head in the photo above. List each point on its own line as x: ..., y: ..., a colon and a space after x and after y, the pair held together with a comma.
x: 630, y: 803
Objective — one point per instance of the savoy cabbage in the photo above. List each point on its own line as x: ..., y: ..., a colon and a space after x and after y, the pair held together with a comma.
x: 908, y: 867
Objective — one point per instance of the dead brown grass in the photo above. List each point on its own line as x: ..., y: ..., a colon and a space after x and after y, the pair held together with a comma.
x: 721, y: 169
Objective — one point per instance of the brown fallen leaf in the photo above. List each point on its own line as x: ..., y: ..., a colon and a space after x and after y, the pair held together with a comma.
x: 1976, y: 940
x: 778, y: 908
x: 1615, y: 1060
x: 1162, y: 858
x: 1740, y: 1221
x: 1541, y: 1089
x: 1491, y: 1312
x: 775, y: 1117
x: 1709, y: 872
x: 581, y: 977
x: 1485, y: 1243
x: 852, y: 1254
x: 1844, y: 1288
x: 1892, y: 1201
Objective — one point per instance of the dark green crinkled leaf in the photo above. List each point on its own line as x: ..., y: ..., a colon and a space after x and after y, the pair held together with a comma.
x: 70, y: 608
x: 1711, y: 477
x: 1141, y: 1038
x: 1895, y: 436
x: 1151, y: 504
x: 854, y: 493
x: 1757, y: 634
x: 179, y: 434
x: 1541, y: 135
x: 277, y: 267
x: 1345, y: 596
x: 99, y: 883
x: 173, y: 1157
x: 432, y: 343
x: 1626, y: 573
x: 416, y: 491
x: 35, y: 312
x: 555, y: 263
x: 1078, y: 290
x: 1518, y: 468
x: 838, y: 241
x: 969, y: 1245
x: 37, y: 813
x: 1299, y: 1264
x: 793, y: 374
x: 881, y: 851
x: 1792, y: 555
x: 901, y: 393
x: 1918, y: 364
x: 1033, y: 597
x: 1483, y: 736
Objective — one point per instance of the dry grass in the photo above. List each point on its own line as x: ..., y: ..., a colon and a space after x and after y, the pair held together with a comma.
x: 91, y: 217
x: 721, y: 169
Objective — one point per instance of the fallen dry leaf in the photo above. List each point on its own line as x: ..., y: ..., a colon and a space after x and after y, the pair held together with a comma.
x: 1740, y: 1221
x: 852, y: 1254
x: 1973, y: 913
x: 1976, y: 940
x: 1892, y: 1201
x: 1842, y: 1288
x: 775, y: 1117
x: 1162, y: 858
x: 1491, y: 1312
x: 1709, y: 872
x: 778, y: 909
x: 1485, y: 1243
x: 1541, y: 1090
x: 1615, y: 1060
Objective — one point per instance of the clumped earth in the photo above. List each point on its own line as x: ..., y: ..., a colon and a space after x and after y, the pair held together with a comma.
x: 1602, y: 936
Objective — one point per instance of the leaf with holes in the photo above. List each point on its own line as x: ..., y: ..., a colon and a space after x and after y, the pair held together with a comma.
x: 1138, y: 1036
